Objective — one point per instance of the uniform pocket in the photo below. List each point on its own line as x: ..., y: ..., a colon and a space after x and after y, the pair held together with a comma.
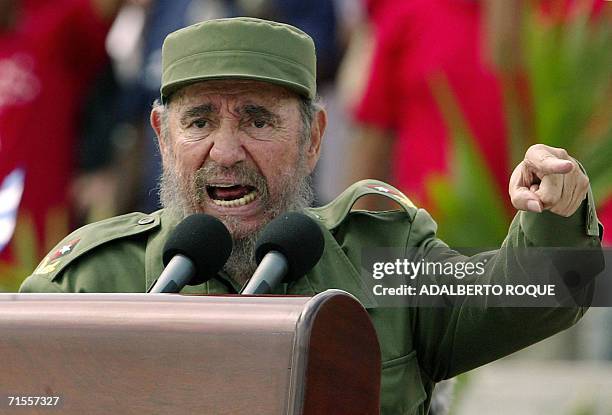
x: 402, y: 390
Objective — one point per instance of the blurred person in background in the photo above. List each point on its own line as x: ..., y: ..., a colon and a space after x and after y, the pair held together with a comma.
x: 50, y: 52
x: 402, y: 133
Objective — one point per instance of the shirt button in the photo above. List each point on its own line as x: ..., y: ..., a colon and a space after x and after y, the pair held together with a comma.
x: 146, y: 221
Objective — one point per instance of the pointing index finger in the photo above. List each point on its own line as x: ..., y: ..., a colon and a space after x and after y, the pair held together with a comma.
x: 545, y: 160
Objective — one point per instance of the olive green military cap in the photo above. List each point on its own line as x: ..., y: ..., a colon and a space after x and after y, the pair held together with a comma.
x: 239, y: 48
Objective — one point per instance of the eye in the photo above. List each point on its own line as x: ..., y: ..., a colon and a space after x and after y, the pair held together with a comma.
x: 200, y: 123
x: 259, y: 123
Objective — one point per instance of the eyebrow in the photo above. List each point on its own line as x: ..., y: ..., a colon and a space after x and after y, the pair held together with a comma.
x: 259, y: 111
x: 199, y: 111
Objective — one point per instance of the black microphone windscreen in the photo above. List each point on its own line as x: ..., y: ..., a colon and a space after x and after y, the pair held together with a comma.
x: 203, y: 239
x: 297, y: 237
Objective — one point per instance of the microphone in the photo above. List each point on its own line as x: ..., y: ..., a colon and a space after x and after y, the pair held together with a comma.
x: 195, y: 251
x: 287, y: 249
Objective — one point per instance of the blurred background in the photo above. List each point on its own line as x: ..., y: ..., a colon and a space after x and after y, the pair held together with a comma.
x: 439, y: 97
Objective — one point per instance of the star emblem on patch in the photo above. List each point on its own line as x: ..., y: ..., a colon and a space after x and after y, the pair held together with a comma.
x: 64, y: 250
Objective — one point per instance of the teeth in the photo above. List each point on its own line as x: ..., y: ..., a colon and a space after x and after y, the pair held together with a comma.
x: 244, y: 200
x: 223, y: 185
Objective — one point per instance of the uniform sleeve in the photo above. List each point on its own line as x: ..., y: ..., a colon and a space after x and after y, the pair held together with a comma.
x: 453, y: 340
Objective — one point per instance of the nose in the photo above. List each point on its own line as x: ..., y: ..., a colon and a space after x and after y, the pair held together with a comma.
x: 227, y: 149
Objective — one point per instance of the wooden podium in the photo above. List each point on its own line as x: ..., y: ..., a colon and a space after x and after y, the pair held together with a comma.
x: 173, y: 354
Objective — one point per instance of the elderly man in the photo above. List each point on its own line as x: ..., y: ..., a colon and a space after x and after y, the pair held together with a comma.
x: 239, y: 133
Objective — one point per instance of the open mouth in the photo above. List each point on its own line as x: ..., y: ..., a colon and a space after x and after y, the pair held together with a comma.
x: 231, y: 195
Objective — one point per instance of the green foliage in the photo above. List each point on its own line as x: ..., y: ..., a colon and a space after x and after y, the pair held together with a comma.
x: 569, y: 66
x: 468, y: 203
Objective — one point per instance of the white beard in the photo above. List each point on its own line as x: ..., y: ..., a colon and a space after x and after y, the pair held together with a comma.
x: 181, y: 198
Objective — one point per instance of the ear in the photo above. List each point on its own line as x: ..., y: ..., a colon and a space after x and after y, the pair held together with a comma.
x: 155, y: 120
x: 316, y: 135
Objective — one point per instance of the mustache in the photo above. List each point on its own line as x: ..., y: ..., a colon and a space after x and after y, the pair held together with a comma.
x: 212, y: 173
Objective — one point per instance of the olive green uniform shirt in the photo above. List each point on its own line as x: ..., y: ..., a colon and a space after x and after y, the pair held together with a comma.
x: 420, y: 346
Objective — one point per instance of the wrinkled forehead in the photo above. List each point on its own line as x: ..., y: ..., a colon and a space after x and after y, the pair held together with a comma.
x: 234, y: 92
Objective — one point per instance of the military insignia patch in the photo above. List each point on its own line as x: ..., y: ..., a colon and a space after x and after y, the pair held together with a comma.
x: 64, y: 250
x: 51, y: 261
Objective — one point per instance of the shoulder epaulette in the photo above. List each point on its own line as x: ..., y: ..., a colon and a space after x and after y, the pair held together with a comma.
x: 336, y: 211
x: 93, y: 235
